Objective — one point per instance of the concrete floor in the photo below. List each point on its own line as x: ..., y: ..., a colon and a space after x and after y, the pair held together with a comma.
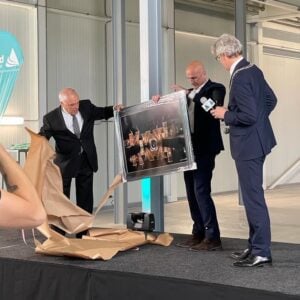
x: 284, y: 209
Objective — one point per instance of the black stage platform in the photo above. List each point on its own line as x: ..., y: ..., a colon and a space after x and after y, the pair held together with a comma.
x: 152, y: 272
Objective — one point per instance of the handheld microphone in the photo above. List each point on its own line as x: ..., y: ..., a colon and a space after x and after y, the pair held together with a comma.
x: 207, y: 104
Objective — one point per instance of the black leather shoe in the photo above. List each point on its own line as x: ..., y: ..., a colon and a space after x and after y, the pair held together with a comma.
x: 240, y: 255
x: 80, y: 234
x: 254, y: 261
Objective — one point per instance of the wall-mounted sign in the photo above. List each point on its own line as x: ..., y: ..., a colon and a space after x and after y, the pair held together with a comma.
x: 11, y: 60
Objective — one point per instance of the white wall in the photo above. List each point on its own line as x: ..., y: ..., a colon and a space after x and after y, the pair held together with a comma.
x: 283, y: 75
x: 281, y: 64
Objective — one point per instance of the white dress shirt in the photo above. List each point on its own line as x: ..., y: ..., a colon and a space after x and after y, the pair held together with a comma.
x: 69, y: 119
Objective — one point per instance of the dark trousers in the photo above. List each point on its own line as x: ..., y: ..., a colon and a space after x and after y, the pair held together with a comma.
x: 83, y: 185
x: 198, y: 189
x: 250, y: 173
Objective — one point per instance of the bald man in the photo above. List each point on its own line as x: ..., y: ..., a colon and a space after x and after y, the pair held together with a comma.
x: 207, y: 143
x: 72, y: 127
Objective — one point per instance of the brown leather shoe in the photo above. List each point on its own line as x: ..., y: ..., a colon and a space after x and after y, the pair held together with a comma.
x: 207, y: 245
x: 194, y: 240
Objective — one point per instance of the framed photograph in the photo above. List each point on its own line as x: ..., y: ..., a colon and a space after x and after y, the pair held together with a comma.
x: 154, y: 139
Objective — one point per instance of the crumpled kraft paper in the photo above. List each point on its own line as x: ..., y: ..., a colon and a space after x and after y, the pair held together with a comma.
x: 100, y: 243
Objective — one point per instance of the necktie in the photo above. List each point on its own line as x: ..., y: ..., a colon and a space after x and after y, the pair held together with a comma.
x: 76, y: 127
x: 191, y: 109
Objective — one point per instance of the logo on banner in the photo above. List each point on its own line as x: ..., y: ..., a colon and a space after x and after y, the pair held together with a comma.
x: 12, y: 60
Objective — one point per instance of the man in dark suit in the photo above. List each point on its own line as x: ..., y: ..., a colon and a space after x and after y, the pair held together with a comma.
x: 251, y: 101
x: 207, y: 143
x: 72, y: 127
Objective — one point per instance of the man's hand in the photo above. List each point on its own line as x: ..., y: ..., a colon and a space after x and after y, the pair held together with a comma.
x: 219, y: 112
x: 118, y: 107
x: 155, y: 98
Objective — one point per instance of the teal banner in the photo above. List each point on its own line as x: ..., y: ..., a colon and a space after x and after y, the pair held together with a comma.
x: 11, y: 60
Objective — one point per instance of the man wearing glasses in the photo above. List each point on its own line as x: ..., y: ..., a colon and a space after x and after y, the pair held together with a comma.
x: 251, y: 101
x: 72, y: 127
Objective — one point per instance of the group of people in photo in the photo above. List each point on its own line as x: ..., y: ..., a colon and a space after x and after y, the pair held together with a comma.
x: 251, y: 101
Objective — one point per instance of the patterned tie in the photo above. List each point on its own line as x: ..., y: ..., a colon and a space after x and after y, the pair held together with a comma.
x: 76, y: 127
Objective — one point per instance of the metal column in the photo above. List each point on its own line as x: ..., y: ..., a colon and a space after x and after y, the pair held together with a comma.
x: 119, y: 95
x: 42, y: 59
x: 240, y: 23
x: 151, y: 84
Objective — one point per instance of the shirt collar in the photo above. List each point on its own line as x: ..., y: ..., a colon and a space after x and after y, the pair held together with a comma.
x: 197, y: 90
x: 235, y: 64
x: 66, y: 113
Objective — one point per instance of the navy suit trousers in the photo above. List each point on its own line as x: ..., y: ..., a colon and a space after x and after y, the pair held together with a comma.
x: 250, y: 173
x: 198, y: 189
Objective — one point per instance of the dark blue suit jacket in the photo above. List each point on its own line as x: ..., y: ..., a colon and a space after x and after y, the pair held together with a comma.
x: 68, y: 147
x: 251, y: 101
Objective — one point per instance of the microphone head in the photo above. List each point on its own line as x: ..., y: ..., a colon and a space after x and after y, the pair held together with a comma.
x: 203, y: 100
x: 208, y: 104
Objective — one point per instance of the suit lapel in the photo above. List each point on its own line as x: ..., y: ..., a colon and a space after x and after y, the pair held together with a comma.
x: 204, y: 89
x: 241, y: 64
x: 84, y: 118
x: 60, y: 119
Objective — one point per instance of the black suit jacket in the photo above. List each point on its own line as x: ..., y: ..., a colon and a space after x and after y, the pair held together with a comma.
x: 68, y: 147
x: 207, y: 137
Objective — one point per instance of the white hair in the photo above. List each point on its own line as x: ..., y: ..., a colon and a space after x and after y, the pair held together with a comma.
x: 228, y: 45
x: 65, y: 93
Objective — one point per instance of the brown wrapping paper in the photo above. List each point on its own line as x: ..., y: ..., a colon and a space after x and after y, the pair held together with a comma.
x: 46, y: 177
x: 101, y: 243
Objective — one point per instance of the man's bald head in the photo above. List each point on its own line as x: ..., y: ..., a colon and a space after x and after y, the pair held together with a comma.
x: 196, y: 73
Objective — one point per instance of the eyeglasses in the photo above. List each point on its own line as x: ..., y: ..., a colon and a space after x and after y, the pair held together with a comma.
x: 218, y: 57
